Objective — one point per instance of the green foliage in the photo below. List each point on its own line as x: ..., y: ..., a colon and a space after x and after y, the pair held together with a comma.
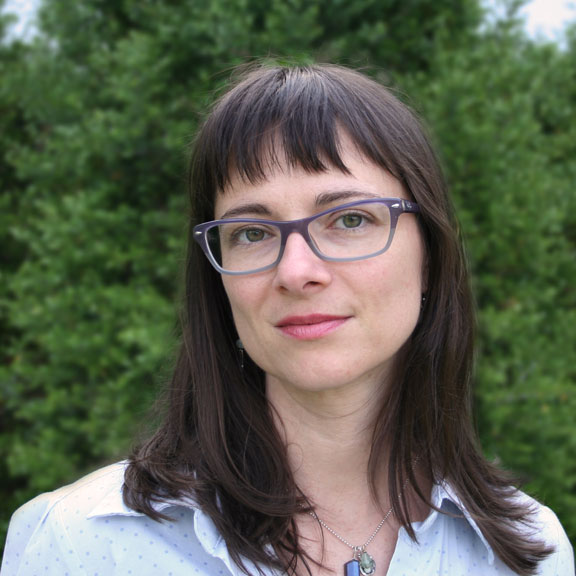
x: 12, y: 252
x: 95, y: 117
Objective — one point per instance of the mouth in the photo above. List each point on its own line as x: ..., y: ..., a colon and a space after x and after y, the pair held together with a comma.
x: 310, y: 327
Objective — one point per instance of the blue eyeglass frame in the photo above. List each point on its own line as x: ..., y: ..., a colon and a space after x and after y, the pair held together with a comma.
x: 396, y: 206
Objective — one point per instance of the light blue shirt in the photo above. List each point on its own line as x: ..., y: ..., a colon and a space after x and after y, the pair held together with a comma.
x: 85, y: 529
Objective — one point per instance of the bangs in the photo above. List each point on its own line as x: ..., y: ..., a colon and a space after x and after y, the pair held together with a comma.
x: 295, y: 117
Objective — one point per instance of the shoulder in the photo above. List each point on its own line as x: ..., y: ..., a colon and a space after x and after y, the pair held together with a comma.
x: 546, y: 527
x: 82, y: 495
x: 543, y: 525
x: 86, y: 528
x: 540, y: 524
x: 46, y: 526
x: 85, y: 492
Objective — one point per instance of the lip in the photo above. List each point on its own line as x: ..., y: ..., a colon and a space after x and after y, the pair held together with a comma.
x: 310, y: 327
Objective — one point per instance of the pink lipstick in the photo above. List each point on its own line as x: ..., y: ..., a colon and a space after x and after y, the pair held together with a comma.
x: 310, y: 327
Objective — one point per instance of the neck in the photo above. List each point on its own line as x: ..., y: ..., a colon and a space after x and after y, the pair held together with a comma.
x: 328, y: 435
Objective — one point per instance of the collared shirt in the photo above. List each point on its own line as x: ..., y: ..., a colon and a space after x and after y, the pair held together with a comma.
x: 85, y: 529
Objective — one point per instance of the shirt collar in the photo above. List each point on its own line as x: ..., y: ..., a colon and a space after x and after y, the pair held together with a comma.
x: 112, y: 504
x: 444, y: 497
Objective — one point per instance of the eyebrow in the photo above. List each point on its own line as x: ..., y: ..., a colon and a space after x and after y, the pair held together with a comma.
x: 253, y: 209
x: 322, y: 200
x: 343, y: 195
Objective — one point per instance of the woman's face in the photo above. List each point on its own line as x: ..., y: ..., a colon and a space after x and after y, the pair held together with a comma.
x: 311, y: 325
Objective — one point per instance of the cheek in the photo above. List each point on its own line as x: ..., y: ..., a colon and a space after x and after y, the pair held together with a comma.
x: 236, y: 297
x: 247, y: 298
x: 398, y: 274
x: 396, y: 292
x: 411, y: 263
x: 244, y: 296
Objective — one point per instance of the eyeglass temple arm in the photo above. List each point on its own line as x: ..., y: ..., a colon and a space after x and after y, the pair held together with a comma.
x: 408, y: 206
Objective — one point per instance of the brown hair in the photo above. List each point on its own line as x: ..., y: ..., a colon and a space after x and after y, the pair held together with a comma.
x: 218, y: 443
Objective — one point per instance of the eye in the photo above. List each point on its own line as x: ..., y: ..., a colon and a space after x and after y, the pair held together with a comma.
x: 248, y: 235
x: 253, y: 235
x: 351, y: 220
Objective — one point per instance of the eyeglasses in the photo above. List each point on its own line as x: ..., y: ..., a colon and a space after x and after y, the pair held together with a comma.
x: 348, y: 232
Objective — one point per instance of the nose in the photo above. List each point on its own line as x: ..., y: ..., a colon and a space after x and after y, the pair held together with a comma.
x: 299, y: 269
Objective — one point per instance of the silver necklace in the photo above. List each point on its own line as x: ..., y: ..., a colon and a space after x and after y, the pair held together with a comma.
x: 362, y: 562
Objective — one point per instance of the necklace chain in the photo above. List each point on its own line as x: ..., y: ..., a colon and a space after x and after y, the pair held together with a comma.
x: 362, y: 562
x: 359, y: 549
x: 356, y: 549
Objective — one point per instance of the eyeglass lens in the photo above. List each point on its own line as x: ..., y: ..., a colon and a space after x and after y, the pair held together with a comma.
x: 349, y: 233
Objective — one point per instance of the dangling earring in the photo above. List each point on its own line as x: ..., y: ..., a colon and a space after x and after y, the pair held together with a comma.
x: 423, y: 302
x: 240, y: 348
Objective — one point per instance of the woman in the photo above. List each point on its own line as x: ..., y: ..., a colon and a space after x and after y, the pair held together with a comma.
x: 319, y: 417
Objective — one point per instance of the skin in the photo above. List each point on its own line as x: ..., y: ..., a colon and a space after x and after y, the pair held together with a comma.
x: 325, y: 382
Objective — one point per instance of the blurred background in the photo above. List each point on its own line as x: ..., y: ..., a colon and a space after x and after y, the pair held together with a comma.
x: 99, y: 100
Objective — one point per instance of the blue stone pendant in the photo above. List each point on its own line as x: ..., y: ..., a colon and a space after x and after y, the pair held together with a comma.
x: 352, y: 568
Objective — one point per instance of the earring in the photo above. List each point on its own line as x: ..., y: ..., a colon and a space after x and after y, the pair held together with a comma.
x: 240, y: 348
x: 423, y: 301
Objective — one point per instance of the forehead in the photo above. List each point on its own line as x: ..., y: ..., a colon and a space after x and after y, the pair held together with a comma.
x: 286, y: 187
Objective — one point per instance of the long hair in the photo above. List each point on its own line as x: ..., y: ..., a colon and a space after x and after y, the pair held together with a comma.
x: 218, y: 443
